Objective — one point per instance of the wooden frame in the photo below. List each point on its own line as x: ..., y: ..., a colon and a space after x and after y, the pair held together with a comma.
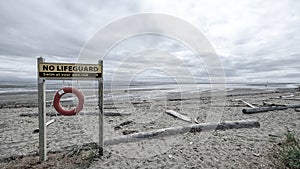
x: 42, y: 99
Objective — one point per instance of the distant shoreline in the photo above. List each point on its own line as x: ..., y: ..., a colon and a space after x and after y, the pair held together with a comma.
x: 29, y: 99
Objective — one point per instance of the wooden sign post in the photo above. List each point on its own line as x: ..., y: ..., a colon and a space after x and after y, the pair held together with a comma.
x: 100, y: 100
x: 66, y: 71
x: 42, y: 115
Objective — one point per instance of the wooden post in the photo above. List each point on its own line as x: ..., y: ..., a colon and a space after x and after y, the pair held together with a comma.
x: 42, y: 114
x: 100, y: 102
x: 269, y: 108
x: 42, y: 76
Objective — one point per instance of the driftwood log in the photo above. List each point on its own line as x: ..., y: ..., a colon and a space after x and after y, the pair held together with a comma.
x: 272, y: 104
x: 269, y: 108
x: 283, y: 97
x: 247, y: 103
x: 30, y: 114
x: 296, y: 99
x: 182, y: 129
x: 178, y: 115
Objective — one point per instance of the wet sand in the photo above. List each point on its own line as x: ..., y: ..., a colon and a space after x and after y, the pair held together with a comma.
x: 237, y: 148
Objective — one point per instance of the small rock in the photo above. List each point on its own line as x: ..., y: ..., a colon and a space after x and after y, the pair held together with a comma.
x: 126, y: 123
x: 118, y: 128
x: 170, y: 156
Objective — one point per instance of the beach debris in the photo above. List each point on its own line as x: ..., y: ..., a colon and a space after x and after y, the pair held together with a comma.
x: 30, y: 114
x: 196, y: 120
x: 176, y: 99
x: 283, y: 97
x: 273, y: 135
x: 297, y: 110
x: 296, y: 99
x: 122, y: 124
x: 256, y: 154
x: 174, y: 96
x: 113, y: 107
x: 126, y: 132
x: 248, y: 104
x: 47, y: 124
x: 269, y: 108
x: 117, y: 127
x: 116, y: 113
x: 288, y: 96
x: 178, y: 115
x: 272, y: 104
x: 263, y: 109
x: 125, y: 123
x: 203, y: 127
x: 140, y: 102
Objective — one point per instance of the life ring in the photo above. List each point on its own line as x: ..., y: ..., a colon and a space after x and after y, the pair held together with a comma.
x: 63, y: 91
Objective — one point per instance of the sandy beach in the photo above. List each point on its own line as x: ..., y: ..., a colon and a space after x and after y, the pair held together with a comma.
x: 236, y: 148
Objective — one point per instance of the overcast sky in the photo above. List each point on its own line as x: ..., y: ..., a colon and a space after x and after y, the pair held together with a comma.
x: 256, y: 41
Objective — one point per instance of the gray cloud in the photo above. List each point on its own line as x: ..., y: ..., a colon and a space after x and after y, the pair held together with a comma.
x: 257, y: 41
x: 56, y: 30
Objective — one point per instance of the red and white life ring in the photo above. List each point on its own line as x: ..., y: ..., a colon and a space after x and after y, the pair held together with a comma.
x: 63, y: 91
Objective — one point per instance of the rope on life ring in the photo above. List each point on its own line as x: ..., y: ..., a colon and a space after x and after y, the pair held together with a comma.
x: 63, y: 91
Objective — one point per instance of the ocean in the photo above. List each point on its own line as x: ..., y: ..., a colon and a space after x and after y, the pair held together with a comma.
x: 14, y: 87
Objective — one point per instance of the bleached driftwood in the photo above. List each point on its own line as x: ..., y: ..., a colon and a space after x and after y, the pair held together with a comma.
x: 196, y: 120
x: 296, y: 99
x: 272, y: 104
x: 263, y: 109
x: 288, y: 96
x: 47, y: 124
x: 248, y: 104
x: 116, y: 114
x: 105, y: 113
x: 283, y: 97
x: 114, y: 107
x: 269, y: 108
x: 30, y: 114
x: 182, y: 129
x: 178, y: 115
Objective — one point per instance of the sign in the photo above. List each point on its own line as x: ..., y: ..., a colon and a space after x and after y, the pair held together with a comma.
x: 69, y: 71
